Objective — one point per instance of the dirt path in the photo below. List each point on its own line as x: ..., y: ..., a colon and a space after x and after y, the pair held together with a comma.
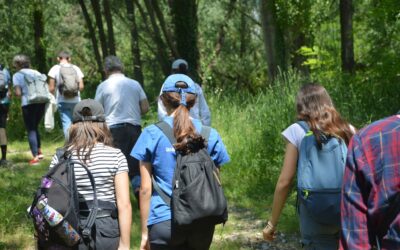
x: 248, y: 233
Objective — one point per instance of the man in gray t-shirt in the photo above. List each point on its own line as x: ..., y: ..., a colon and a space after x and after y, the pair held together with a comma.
x: 124, y: 103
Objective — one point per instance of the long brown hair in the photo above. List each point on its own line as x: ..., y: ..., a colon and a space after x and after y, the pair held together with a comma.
x: 315, y: 106
x: 83, y: 136
x: 184, y: 131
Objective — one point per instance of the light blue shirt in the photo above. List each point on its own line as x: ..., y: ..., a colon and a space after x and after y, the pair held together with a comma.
x: 120, y: 97
x: 154, y: 147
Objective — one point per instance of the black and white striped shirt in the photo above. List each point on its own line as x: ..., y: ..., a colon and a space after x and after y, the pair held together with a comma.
x: 104, y: 163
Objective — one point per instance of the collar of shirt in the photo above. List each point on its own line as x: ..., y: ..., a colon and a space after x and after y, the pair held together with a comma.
x: 116, y: 75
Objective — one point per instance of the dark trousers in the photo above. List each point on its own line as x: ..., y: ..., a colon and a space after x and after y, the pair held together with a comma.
x: 3, y: 115
x: 125, y: 136
x: 197, y: 236
x: 32, y: 115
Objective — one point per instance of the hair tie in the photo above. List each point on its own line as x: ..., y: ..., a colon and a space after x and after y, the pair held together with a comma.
x: 183, y: 97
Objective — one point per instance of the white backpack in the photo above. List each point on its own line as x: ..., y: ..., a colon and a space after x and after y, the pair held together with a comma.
x: 38, y: 91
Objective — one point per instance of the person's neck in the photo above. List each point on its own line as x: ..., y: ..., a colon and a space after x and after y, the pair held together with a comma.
x: 63, y: 61
x: 114, y: 73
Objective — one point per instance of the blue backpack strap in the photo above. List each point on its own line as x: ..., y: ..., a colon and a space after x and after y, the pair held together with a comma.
x: 304, y: 126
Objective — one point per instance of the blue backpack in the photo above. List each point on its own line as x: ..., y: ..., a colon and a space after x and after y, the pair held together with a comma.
x: 319, y: 176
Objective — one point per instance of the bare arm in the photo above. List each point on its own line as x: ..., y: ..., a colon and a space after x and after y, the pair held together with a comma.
x: 17, y: 91
x: 81, y: 85
x: 282, y: 189
x: 124, y: 209
x: 52, y: 85
x: 145, y: 196
x: 144, y: 106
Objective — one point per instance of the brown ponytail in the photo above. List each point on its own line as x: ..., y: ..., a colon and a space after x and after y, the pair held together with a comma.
x: 184, y: 131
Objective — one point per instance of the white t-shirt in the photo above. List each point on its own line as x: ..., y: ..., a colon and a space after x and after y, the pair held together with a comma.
x: 19, y: 80
x: 295, y: 134
x: 104, y: 164
x: 55, y: 74
x: 120, y: 97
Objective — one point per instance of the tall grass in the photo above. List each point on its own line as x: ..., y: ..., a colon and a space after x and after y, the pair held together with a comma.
x: 250, y: 126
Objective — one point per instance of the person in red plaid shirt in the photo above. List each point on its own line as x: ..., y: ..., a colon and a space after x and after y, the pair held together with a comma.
x: 371, y: 188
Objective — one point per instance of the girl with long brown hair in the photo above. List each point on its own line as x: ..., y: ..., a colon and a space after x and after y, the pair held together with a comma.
x: 158, y: 159
x: 315, y: 107
x: 90, y: 143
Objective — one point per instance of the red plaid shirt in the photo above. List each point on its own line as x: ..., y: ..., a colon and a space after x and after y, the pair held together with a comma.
x: 371, y: 182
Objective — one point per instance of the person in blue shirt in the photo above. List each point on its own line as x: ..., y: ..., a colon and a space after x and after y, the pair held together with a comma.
x: 158, y: 159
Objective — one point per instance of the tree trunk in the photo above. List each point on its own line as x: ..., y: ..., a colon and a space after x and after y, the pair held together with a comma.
x: 221, y: 35
x: 346, y: 32
x: 273, y: 39
x: 135, y: 48
x: 40, y: 48
x: 100, y: 27
x: 162, y: 56
x: 164, y: 28
x: 184, y: 14
x: 92, y: 35
x: 110, y: 28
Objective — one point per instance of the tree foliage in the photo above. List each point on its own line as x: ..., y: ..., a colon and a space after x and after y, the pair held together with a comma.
x: 227, y: 43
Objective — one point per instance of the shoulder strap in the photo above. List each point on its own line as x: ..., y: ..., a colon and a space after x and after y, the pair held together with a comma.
x: 86, y: 229
x: 304, y: 126
x: 167, y: 130
x: 160, y: 192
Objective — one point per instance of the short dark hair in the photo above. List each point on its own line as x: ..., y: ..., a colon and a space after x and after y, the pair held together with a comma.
x: 64, y: 54
x: 21, y: 61
x: 113, y: 63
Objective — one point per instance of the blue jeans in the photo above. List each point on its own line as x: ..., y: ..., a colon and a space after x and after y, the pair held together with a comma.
x: 65, y: 109
x: 32, y: 114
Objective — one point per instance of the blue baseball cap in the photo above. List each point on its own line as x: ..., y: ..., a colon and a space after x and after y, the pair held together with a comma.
x: 170, y: 85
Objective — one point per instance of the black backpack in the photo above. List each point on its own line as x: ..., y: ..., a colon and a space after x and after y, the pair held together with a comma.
x: 197, y: 194
x: 58, y: 188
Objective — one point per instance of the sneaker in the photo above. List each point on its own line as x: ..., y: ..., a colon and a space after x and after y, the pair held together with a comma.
x: 40, y: 155
x: 34, y: 162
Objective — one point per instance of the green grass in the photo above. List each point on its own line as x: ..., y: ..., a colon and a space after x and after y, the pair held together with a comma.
x: 250, y: 126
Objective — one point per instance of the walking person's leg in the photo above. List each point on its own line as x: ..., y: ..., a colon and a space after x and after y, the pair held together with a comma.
x: 200, y: 236
x: 39, y: 111
x: 65, y: 109
x: 3, y: 135
x: 28, y: 115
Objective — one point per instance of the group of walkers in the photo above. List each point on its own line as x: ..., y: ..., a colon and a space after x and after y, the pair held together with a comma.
x: 106, y: 135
